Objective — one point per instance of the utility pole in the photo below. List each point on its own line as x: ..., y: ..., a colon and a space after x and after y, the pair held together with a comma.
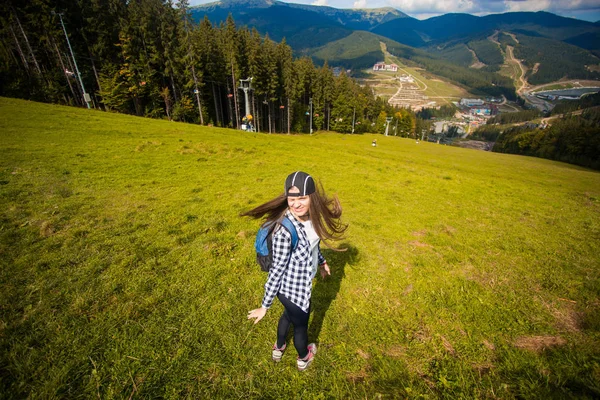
x: 245, y: 86
x: 353, y: 118
x: 387, y: 124
x: 86, y: 96
x: 311, y: 112
x: 197, y: 93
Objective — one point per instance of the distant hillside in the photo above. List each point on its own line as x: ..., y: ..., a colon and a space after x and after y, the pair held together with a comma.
x: 553, y: 47
x: 358, y: 50
x: 303, y: 26
x: 280, y: 19
x: 588, y: 40
x: 362, y: 49
x: 469, y: 50
x: 547, y: 59
x: 452, y: 26
x: 550, y: 60
x: 357, y: 19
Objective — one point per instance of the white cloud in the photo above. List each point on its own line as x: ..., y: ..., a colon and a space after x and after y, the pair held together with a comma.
x: 360, y: 4
x: 551, y: 5
x: 534, y: 5
x: 435, y: 6
x: 430, y: 7
x: 319, y: 3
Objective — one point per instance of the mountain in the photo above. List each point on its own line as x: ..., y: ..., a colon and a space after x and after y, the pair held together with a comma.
x: 358, y: 50
x: 303, y: 26
x: 451, y: 26
x: 326, y: 24
x: 552, y: 47
x: 589, y: 41
x: 362, y: 49
x: 357, y: 19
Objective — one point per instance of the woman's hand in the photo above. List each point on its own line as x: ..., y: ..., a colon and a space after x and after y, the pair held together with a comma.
x: 257, y: 314
x: 324, y: 270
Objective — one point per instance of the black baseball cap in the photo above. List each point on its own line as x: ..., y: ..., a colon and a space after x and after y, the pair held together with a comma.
x: 303, y: 181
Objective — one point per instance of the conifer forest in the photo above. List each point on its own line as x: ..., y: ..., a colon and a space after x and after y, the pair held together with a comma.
x: 149, y: 58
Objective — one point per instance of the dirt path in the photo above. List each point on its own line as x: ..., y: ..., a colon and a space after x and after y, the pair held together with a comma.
x: 477, y: 64
x: 422, y: 86
x: 505, y: 103
x: 511, y: 58
x: 494, y: 38
x: 548, y: 119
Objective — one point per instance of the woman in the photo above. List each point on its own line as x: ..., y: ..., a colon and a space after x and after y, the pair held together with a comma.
x: 315, y: 217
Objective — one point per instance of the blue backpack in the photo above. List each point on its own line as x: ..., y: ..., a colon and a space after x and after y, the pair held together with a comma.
x: 264, y: 242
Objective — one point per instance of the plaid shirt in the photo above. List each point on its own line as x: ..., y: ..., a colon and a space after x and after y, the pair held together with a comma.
x: 291, y: 273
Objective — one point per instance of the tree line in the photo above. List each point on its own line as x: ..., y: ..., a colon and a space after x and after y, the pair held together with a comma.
x: 567, y: 106
x: 514, y: 117
x: 550, y: 60
x: 572, y: 139
x: 149, y: 58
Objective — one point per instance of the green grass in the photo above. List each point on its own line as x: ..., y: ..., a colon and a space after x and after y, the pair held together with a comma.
x: 434, y: 87
x: 557, y: 86
x: 125, y: 270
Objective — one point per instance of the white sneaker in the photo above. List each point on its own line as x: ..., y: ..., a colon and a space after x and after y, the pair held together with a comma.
x: 278, y: 353
x: 303, y: 363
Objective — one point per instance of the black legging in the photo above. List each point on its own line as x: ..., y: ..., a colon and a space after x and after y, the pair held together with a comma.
x: 292, y: 314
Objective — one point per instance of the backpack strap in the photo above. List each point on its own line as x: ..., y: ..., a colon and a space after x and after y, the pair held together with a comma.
x: 289, y: 225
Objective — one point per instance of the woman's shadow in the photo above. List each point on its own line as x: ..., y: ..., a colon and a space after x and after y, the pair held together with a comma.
x: 326, y: 290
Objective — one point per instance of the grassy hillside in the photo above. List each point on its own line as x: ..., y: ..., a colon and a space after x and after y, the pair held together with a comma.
x: 125, y: 270
x: 451, y: 26
x: 430, y: 85
x: 456, y: 53
x: 487, y: 52
x: 363, y: 49
x: 302, y: 29
x: 556, y: 60
x: 358, y: 50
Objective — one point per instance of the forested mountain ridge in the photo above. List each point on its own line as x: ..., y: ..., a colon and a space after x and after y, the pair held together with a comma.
x: 451, y: 26
x: 148, y: 58
x: 300, y: 28
x: 552, y: 47
x: 400, y: 27
x: 547, y: 60
x: 357, y: 19
x: 303, y: 26
x: 362, y: 49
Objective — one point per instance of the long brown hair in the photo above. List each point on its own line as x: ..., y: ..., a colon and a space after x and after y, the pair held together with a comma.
x: 325, y: 214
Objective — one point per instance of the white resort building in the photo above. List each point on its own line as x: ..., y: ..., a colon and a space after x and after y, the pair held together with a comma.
x: 382, y: 66
x: 471, y: 102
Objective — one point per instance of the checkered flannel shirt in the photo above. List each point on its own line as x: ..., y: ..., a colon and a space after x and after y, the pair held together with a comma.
x: 291, y: 273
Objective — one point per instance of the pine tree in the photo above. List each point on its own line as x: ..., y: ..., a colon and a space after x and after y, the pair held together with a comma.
x: 193, y: 67
x: 343, y: 109
x: 210, y: 56
x: 229, y: 46
x: 266, y: 80
x: 253, y: 57
x: 286, y: 77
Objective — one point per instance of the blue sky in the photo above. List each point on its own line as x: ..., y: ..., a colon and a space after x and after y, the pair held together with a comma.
x: 588, y: 10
